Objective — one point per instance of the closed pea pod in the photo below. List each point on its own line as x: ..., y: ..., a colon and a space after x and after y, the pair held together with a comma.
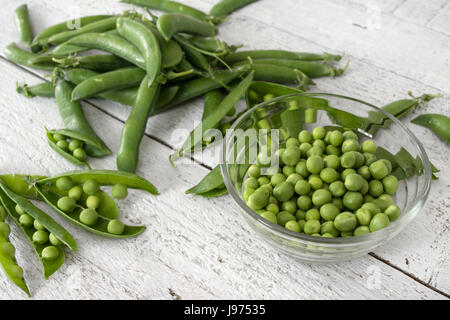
x: 172, y: 23
x: 23, y: 25
x: 44, y: 89
x: 279, y: 54
x: 98, y: 62
x: 19, y: 56
x: 169, y: 6
x: 225, y: 7
x: 438, y: 123
x: 281, y: 74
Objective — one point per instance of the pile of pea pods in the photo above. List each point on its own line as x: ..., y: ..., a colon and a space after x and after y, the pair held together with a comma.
x: 153, y: 64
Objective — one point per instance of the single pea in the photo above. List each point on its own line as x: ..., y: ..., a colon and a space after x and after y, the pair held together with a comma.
x: 336, y: 138
x: 120, y: 191
x: 2, y: 213
x: 88, y: 217
x: 50, y: 253
x: 301, y: 223
x: 332, y: 150
x: 301, y: 169
x: 348, y: 160
x: 289, y: 206
x: 116, y: 227
x: 393, y: 212
x: 390, y: 184
x: 38, y: 226
x: 251, y: 183
x: 346, y: 172
x: 304, y: 202
x: 365, y: 187
x: 269, y: 216
x: 92, y: 202
x: 247, y: 193
x: 300, y: 215
x: 312, y: 214
x: 304, y: 136
x: 273, y: 200
x: 388, y: 165
x: 345, y: 221
x: 16, y: 271
x: 58, y: 137
x: 76, y: 193
x: 284, y: 217
x: 283, y: 191
x: 315, y: 182
x: 375, y: 188
x: 327, y: 235
x: 347, y: 234
x: 4, y: 230
x: 19, y: 210
x: 263, y: 180
x: 293, y: 178
x: 352, y: 200
x: 75, y: 144
x: 54, y: 240
x: 314, y: 151
x: 319, y: 144
x: 304, y: 148
x: 350, y: 135
x: 26, y: 220
x: 288, y: 170
x: 91, y: 187
x: 378, y: 222
x: 387, y: 198
x: 320, y: 197
x: 369, y: 158
x: 338, y: 202
x: 382, y: 204
x: 268, y: 187
x: 371, y: 207
x: 277, y: 178
x: 312, y: 227
x: 364, y: 172
x: 327, y: 137
x: 292, y: 225
x: 369, y: 146
x: 314, y: 164
x: 269, y: 96
x: 378, y: 170
x: 329, y: 211
x: 350, y: 145
x: 291, y: 156
x: 292, y: 142
x: 40, y: 237
x: 7, y: 249
x: 360, y: 160
x: 363, y: 216
x: 272, y: 207
x: 328, y: 228
x: 64, y: 183
x: 253, y: 95
x: 66, y: 204
x: 361, y: 230
x: 329, y: 175
x: 353, y: 182
x: 254, y: 171
x: 63, y: 145
x: 331, y: 161
x: 337, y: 188
x: 302, y: 187
x: 368, y: 198
x: 318, y: 133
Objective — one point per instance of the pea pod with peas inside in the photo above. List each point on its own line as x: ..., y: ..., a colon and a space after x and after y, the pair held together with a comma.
x: 77, y: 157
x: 438, y: 123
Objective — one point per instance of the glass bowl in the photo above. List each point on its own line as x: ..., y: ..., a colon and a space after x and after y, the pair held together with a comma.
x: 294, y: 112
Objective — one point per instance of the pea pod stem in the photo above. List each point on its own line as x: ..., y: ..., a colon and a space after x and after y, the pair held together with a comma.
x: 437, y: 123
x: 23, y: 25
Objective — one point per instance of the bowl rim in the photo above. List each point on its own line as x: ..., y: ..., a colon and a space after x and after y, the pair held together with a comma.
x: 339, y: 241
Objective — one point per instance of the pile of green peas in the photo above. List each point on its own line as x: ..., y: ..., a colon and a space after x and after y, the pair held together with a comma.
x: 71, y: 146
x: 328, y: 184
x: 86, y: 196
x: 6, y: 247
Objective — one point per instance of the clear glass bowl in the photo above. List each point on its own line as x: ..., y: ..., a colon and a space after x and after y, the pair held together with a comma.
x: 292, y: 113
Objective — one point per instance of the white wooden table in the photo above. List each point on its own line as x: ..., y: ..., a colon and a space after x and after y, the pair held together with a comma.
x: 202, y: 249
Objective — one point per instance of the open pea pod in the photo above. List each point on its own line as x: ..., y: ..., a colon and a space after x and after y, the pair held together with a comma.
x: 71, y: 134
x: 22, y: 184
x: 100, y: 227
x: 212, y: 185
x: 104, y: 177
x: 107, y: 207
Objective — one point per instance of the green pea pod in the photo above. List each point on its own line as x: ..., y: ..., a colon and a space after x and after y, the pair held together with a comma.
x: 226, y: 7
x: 118, y: 79
x: 214, y: 117
x: 195, y: 57
x: 97, y: 62
x: 212, y: 182
x: 105, y: 178
x: 22, y: 184
x: 23, y: 25
x: 259, y: 89
x: 171, y: 23
x: 15, y: 54
x: 215, y: 193
x: 67, y: 49
x: 134, y: 128
x: 281, y: 74
x: 169, y: 6
x: 74, y: 119
x: 212, y: 45
x: 437, y: 123
x: 44, y: 89
x: 71, y: 134
x: 147, y: 43
x: 279, y: 54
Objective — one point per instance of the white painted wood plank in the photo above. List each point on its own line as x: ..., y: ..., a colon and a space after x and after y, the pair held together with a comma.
x: 420, y: 12
x: 442, y: 20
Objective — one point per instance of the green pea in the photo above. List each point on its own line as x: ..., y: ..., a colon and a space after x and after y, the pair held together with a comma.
x: 63, y: 145
x: 116, y: 227
x: 378, y: 222
x: 350, y: 145
x: 388, y: 165
x: 89, y: 217
x: 312, y: 214
x: 348, y: 160
x: 267, y: 187
x: 75, y: 144
x: 253, y: 95
x: 327, y: 235
x: 251, y: 183
x: 365, y: 187
x: 64, y: 183
x: 329, y: 211
x: 336, y: 138
x: 386, y: 198
x: 378, y: 169
x: 314, y: 164
x: 329, y: 228
x: 314, y: 151
x: 292, y: 225
x: 337, y: 188
x: 263, y: 180
x: 360, y: 160
x: 345, y: 221
x: 301, y: 169
x: 371, y: 207
x: 58, y: 137
x: 321, y: 196
x: 304, y: 148
x: 315, y: 182
x: 66, y: 204
x: 277, y: 178
x: 289, y: 206
x: 300, y: 215
x: 369, y: 146
x: 318, y: 133
x: 269, y: 96
x: 363, y: 216
x: 273, y: 200
x: 270, y: 217
x: 279, y: 154
x: 319, y: 144
x: 91, y: 187
x: 26, y: 220
x: 304, y: 202
x: 19, y: 210
x: 350, y: 135
x: 291, y: 156
x: 7, y: 249
x: 304, y: 136
x: 393, y: 212
x: 40, y: 237
x: 293, y: 178
x: 375, y: 188
x: 292, y: 142
x: 347, y: 234
x: 382, y: 204
x: 301, y: 223
x: 283, y: 191
x: 4, y: 230
x: 247, y: 193
x: 2, y: 213
x: 254, y: 171
x: 352, y: 200
x: 288, y: 170
x: 284, y: 217
x: 333, y: 151
x: 353, y: 182
x: 329, y: 175
x: 338, y: 202
x: 50, y: 253
x: 54, y: 240
x: 364, y: 172
x: 92, y: 202
x: 119, y: 191
x: 302, y: 187
x: 272, y: 207
x: 312, y: 227
x: 16, y: 271
x: 38, y: 226
x: 327, y: 138
x: 76, y: 193
x: 361, y: 230
x: 346, y: 172
x: 370, y: 158
x: 390, y: 184
x: 368, y: 198
x: 331, y: 161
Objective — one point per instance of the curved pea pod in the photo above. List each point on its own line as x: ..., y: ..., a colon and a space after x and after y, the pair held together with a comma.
x: 169, y: 6
x: 438, y: 123
x: 225, y: 7
x: 195, y: 57
x: 171, y: 23
x: 8, y: 263
x: 22, y: 184
x: 281, y: 74
x: 279, y: 54
x: 17, y: 55
x: 44, y: 89
x: 211, y: 185
x: 97, y: 62
x: 259, y: 89
x: 71, y: 134
x: 23, y: 25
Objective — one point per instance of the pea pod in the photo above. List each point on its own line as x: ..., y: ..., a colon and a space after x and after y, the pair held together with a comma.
x: 44, y: 89
x: 169, y: 6
x: 118, y: 79
x: 23, y: 25
x: 212, y: 45
x: 279, y: 54
x: 280, y: 74
x: 195, y: 57
x: 98, y: 62
x: 437, y: 123
x: 22, y: 184
x: 225, y: 7
x: 171, y: 23
x: 15, y: 54
x: 72, y: 135
x: 211, y: 185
